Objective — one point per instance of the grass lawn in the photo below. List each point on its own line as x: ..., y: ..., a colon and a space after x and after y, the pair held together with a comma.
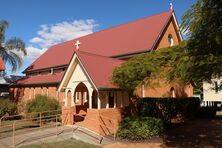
x: 63, y: 144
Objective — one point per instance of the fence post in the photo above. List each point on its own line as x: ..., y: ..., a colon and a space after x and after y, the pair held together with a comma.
x: 40, y: 119
x: 114, y: 131
x: 56, y: 126
x: 13, y: 134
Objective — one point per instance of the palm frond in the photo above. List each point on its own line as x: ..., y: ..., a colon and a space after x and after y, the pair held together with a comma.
x: 9, y: 58
x: 16, y: 44
x: 3, y: 26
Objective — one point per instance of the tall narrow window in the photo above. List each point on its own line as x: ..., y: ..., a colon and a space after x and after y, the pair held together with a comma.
x: 172, y: 92
x: 170, y: 40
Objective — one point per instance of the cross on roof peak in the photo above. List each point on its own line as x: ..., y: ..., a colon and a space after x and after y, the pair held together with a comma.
x: 171, y: 6
x: 77, y: 44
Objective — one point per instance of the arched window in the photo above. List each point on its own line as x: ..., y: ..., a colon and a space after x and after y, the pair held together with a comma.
x: 69, y: 98
x: 172, y: 92
x: 170, y: 40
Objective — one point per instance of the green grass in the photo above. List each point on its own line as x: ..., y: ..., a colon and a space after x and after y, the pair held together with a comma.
x: 62, y: 144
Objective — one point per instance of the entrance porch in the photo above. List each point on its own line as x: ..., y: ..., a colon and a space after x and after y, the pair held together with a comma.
x: 96, y: 109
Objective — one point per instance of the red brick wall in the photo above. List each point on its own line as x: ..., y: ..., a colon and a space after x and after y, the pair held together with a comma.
x: 170, y: 29
x: 27, y: 93
x: 103, y: 121
x: 67, y: 115
x: 162, y: 89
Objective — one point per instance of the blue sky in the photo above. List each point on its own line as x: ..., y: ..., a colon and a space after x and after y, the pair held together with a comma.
x: 42, y: 23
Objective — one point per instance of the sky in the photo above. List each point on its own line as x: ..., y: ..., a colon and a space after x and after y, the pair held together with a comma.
x: 43, y: 23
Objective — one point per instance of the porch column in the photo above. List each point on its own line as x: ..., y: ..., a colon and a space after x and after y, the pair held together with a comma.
x: 121, y: 101
x: 90, y: 98
x: 143, y: 91
x: 115, y: 97
x: 107, y: 99
x: 98, y: 102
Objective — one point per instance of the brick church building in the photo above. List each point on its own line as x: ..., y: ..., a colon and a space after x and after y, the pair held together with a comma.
x: 78, y: 72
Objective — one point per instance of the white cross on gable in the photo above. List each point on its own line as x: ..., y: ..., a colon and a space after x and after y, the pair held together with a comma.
x: 77, y: 44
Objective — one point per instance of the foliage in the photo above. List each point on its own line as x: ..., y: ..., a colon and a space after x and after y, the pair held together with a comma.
x: 148, y: 66
x: 194, y: 60
x: 42, y: 103
x: 140, y: 128
x: 12, y: 49
x: 204, y: 47
x: 167, y: 108
x: 7, y: 107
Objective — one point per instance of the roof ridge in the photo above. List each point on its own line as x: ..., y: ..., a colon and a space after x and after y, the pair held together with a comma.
x: 84, y: 52
x: 123, y: 24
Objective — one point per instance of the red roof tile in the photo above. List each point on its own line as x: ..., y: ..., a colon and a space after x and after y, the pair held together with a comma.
x: 2, y: 65
x: 99, y: 68
x: 136, y: 36
x: 41, y: 79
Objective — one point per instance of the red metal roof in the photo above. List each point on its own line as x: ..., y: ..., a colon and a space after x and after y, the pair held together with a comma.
x: 41, y: 79
x: 136, y: 36
x: 2, y: 65
x: 99, y: 68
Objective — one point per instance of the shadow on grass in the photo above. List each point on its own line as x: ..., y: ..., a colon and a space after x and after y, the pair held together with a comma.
x: 195, y: 133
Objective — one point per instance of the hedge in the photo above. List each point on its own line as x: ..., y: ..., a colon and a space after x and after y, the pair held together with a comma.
x: 42, y: 103
x: 140, y: 128
x: 7, y: 107
x: 167, y: 108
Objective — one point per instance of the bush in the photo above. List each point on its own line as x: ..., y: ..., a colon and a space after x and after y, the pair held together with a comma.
x: 140, y: 128
x: 7, y: 107
x: 167, y: 108
x: 42, y: 103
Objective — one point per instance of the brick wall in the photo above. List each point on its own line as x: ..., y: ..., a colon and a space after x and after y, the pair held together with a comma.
x: 170, y: 29
x: 102, y: 121
x: 161, y: 88
x: 28, y: 93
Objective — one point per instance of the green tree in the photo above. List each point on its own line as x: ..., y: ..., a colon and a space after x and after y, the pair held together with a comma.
x: 148, y: 66
x: 203, y: 22
x: 197, y: 59
x: 10, y: 49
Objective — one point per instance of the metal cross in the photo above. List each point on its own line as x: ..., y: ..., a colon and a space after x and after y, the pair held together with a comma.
x: 77, y: 44
x: 171, y: 6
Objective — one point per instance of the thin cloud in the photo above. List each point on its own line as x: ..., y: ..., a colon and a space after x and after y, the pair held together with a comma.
x: 56, y: 33
x: 33, y: 53
x: 53, y: 34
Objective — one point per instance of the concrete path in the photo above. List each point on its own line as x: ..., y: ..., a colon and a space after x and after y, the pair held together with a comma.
x: 49, y: 135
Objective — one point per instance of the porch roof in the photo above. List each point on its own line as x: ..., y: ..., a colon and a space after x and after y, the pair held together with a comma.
x: 99, y: 68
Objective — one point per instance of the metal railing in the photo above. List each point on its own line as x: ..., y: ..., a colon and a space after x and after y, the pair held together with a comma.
x: 10, y: 126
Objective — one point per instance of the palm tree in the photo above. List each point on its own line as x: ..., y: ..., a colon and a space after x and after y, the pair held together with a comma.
x: 12, y: 50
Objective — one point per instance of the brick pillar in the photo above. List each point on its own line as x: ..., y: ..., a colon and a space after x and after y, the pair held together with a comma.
x: 68, y: 115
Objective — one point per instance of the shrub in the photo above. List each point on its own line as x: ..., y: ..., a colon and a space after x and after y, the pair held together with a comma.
x: 140, y: 128
x: 42, y: 103
x: 167, y: 108
x: 7, y: 107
